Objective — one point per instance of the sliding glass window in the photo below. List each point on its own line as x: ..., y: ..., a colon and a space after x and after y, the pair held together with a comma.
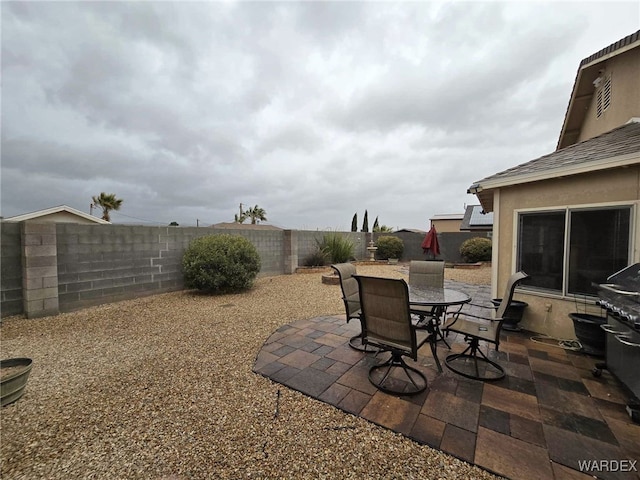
x: 567, y: 251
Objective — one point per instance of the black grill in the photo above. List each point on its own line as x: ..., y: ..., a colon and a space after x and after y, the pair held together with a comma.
x: 620, y: 296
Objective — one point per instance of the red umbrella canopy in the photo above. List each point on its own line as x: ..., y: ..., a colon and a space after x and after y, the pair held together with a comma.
x: 430, y: 242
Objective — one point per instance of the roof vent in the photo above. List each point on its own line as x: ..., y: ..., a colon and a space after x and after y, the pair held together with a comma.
x: 603, y: 95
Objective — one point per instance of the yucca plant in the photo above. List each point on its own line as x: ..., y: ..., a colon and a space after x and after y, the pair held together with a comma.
x: 317, y: 258
x: 336, y: 247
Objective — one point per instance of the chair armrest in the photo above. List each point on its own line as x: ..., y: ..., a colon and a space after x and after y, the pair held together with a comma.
x: 489, y: 307
x: 465, y: 314
x: 451, y: 320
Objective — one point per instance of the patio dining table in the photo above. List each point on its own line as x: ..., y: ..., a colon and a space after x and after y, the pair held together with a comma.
x: 441, y: 299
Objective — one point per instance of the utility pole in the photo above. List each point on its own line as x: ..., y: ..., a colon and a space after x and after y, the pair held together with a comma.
x: 240, y: 211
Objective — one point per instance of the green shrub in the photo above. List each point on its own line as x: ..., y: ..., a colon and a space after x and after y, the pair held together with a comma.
x: 389, y: 247
x: 220, y: 264
x: 337, y: 247
x: 315, y: 259
x: 477, y: 249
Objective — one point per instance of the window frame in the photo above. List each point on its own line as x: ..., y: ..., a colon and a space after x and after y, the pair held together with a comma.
x: 566, y: 210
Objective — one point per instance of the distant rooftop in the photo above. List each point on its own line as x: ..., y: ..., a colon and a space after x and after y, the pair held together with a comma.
x: 448, y: 216
x: 474, y: 219
x: 245, y: 226
x: 58, y: 214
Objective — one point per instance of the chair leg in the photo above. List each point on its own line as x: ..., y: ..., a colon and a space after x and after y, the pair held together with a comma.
x: 434, y: 351
x: 441, y: 335
x: 356, y: 342
x: 418, y: 380
x: 432, y: 328
x: 472, y: 354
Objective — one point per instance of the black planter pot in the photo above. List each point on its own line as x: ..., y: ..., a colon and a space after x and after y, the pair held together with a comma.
x: 513, y: 315
x: 589, y: 333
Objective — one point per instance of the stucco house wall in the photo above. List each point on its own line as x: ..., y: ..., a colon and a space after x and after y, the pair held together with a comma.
x: 548, y: 313
x: 596, y: 165
x: 624, y: 70
x: 447, y: 224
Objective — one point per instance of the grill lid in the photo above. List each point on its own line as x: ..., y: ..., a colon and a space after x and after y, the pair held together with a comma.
x: 626, y: 281
x: 621, y: 295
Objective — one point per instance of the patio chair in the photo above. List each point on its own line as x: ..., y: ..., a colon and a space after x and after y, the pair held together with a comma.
x: 351, y: 299
x: 425, y: 274
x: 386, y: 324
x: 472, y: 362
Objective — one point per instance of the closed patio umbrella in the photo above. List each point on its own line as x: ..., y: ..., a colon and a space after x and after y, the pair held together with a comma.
x: 430, y: 243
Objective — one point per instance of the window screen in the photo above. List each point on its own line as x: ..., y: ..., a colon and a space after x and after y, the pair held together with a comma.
x: 541, y: 248
x: 597, y: 245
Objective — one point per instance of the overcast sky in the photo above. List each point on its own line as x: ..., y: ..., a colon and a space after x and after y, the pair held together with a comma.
x: 312, y: 110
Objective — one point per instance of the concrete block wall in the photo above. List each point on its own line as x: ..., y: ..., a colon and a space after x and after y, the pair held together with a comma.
x: 290, y: 251
x: 308, y: 243
x: 39, y: 269
x: 96, y: 264
x: 106, y: 263
x: 449, y: 242
x: 269, y: 243
x: 11, y: 301
x: 72, y: 266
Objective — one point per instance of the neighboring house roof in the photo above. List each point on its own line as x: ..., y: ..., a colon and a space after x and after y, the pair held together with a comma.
x: 409, y: 230
x: 475, y: 219
x: 245, y: 226
x: 583, y: 89
x: 616, y: 148
x: 448, y: 216
x: 59, y: 214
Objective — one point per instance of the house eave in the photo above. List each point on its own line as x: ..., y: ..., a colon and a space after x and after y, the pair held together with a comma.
x: 54, y: 210
x: 484, y: 188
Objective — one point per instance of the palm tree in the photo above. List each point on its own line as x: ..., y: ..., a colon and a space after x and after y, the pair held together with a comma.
x: 107, y: 202
x: 256, y: 214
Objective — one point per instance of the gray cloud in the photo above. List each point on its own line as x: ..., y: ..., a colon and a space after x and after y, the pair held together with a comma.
x: 312, y: 110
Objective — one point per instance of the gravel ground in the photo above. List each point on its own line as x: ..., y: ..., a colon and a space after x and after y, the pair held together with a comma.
x: 161, y: 387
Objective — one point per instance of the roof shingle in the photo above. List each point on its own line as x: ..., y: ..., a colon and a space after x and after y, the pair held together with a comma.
x: 620, y: 141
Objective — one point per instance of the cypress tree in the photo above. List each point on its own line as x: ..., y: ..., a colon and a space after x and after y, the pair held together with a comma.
x: 365, y: 222
x: 354, y: 222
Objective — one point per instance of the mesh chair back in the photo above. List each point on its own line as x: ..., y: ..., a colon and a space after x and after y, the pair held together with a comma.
x: 426, y: 273
x: 349, y: 286
x: 513, y: 282
x: 386, y: 317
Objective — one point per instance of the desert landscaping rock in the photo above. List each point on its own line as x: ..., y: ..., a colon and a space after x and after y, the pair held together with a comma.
x: 162, y: 388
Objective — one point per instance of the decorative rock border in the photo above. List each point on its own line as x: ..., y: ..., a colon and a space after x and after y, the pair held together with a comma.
x: 467, y: 265
x: 313, y: 269
x: 331, y: 279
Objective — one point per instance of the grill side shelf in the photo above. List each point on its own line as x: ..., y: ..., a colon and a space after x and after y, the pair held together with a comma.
x: 612, y: 287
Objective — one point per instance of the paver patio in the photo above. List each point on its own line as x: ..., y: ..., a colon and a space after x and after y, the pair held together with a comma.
x: 544, y: 420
